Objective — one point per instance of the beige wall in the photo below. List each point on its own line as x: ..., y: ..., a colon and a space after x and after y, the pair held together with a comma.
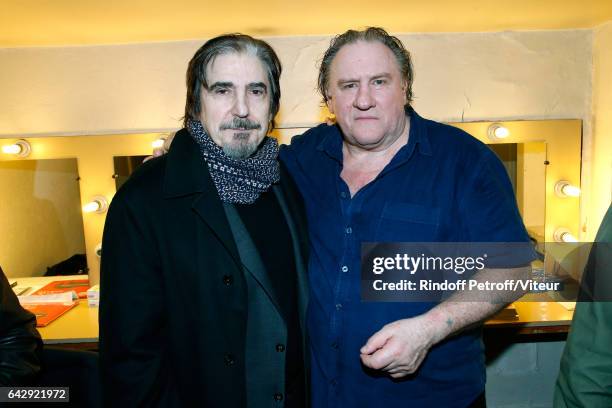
x: 140, y: 87
x: 601, y: 151
x: 40, y: 217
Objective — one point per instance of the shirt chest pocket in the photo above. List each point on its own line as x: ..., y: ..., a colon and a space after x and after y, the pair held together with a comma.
x: 407, y: 222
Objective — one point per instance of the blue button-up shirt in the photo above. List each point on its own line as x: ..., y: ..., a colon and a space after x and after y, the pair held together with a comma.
x: 442, y: 186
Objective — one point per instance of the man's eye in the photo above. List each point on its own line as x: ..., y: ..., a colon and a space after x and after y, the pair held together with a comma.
x: 378, y: 82
x: 349, y: 86
x: 221, y: 91
x: 257, y: 91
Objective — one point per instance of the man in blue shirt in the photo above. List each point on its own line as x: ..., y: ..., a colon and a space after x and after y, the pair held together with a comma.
x: 383, y: 173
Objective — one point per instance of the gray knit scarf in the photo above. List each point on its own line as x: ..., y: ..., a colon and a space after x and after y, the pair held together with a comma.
x: 238, y: 181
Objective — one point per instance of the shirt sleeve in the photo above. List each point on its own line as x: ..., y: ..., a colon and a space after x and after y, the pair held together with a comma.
x: 490, y: 214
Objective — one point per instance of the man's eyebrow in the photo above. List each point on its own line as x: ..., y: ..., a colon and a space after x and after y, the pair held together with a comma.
x: 381, y: 75
x: 221, y: 84
x: 345, y: 80
x: 377, y: 76
x: 258, y: 85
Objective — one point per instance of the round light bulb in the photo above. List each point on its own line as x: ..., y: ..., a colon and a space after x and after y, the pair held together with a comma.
x: 11, y: 149
x: 563, y: 188
x: 564, y: 235
x: 497, y: 132
x: 20, y: 148
x: 91, y: 206
x: 501, y: 132
x: 98, y: 204
x: 568, y: 237
x: 571, y: 191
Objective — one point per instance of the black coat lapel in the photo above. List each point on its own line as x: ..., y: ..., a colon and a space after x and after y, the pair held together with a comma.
x: 187, y: 174
x: 211, y: 211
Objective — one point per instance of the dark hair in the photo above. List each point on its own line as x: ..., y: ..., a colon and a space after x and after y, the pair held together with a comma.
x: 402, y: 56
x: 226, y: 44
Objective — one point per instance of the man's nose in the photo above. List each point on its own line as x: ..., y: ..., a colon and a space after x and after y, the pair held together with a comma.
x: 364, y: 99
x: 241, y: 107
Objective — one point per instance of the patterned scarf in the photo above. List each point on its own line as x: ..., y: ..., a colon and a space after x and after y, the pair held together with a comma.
x: 238, y: 181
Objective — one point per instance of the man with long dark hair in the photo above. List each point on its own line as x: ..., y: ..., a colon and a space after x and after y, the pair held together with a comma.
x: 203, y: 287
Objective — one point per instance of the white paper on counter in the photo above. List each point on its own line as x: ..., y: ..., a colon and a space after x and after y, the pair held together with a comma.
x: 58, y: 298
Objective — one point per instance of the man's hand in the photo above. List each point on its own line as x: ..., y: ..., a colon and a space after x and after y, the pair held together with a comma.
x: 160, y: 151
x: 400, y: 347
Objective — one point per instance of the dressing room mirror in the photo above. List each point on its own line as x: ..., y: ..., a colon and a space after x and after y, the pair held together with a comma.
x: 124, y: 166
x: 526, y: 167
x: 547, y: 153
x: 40, y: 218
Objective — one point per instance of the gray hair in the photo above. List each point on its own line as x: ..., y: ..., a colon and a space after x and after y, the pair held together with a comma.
x: 225, y: 44
x: 402, y: 56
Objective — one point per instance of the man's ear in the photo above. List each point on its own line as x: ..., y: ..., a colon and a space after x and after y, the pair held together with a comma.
x: 330, y: 105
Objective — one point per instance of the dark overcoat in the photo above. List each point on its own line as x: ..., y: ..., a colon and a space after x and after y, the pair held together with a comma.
x: 173, y: 296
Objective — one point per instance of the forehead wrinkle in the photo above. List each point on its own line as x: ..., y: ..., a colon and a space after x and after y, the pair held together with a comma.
x: 212, y: 65
x: 380, y: 50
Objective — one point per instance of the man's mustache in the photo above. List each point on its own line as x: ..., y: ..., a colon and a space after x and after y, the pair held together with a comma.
x: 240, y: 123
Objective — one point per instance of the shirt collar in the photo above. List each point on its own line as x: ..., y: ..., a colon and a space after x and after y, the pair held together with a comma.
x: 418, y: 139
x: 331, y: 143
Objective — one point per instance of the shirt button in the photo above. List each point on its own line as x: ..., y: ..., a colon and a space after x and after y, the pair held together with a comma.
x: 335, y: 345
x: 333, y: 382
x: 349, y: 230
x: 338, y: 306
x: 228, y: 280
x: 343, y: 194
x: 344, y: 268
x: 280, y: 348
x: 229, y: 360
x: 278, y: 396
